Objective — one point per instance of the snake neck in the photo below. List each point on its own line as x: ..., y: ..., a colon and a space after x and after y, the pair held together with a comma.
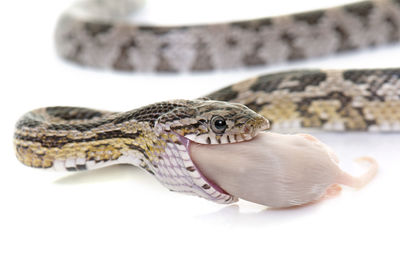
x: 77, y: 138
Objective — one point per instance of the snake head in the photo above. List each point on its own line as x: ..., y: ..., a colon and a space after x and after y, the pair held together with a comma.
x: 213, y: 122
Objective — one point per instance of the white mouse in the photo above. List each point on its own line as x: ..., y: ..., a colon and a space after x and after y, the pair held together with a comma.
x: 276, y: 170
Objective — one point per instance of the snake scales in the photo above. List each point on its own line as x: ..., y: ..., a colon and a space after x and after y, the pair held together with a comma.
x: 157, y: 137
x: 96, y: 33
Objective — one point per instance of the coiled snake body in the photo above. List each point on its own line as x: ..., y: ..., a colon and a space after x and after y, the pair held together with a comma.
x: 157, y: 137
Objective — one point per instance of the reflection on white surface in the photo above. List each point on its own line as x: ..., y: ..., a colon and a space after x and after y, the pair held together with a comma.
x: 266, y: 217
x: 103, y: 175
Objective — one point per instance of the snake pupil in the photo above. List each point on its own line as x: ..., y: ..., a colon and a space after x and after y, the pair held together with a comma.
x: 218, y: 124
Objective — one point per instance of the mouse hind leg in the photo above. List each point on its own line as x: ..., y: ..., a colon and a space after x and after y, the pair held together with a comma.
x: 349, y: 180
x: 332, y: 191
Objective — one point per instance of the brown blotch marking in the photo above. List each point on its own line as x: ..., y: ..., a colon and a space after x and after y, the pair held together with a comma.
x: 205, y: 186
x: 309, y: 17
x: 32, y: 156
x: 157, y: 30
x: 231, y: 42
x: 95, y: 28
x: 203, y: 60
x: 345, y: 44
x: 295, y: 53
x: 81, y: 167
x: 354, y: 118
x: 254, y: 25
x: 208, y: 140
x: 225, y: 94
x: 191, y: 168
x: 362, y: 10
x: 68, y: 113
x: 163, y: 65
x: 122, y: 62
x: 394, y: 29
x: 60, y: 141
x: 253, y: 58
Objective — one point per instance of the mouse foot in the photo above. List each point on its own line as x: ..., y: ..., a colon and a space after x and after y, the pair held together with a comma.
x: 332, y: 191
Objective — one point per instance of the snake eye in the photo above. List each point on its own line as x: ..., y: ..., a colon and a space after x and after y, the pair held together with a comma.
x: 218, y: 124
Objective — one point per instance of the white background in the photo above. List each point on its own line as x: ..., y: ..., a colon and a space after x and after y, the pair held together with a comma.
x: 122, y: 211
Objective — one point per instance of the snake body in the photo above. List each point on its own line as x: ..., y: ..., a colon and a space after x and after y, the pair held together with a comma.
x: 157, y: 137
x: 339, y: 100
x: 96, y: 33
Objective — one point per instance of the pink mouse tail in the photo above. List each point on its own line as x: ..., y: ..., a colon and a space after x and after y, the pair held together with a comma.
x: 359, y: 182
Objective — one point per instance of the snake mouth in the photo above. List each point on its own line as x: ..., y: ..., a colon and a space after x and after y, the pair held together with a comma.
x: 200, y: 166
x: 188, y: 145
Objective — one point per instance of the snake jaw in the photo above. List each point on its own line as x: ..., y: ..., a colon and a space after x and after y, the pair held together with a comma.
x: 239, y: 133
x: 244, y: 132
x: 187, y: 143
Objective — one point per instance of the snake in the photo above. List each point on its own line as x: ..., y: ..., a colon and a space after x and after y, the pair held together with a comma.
x: 157, y: 137
x: 98, y: 33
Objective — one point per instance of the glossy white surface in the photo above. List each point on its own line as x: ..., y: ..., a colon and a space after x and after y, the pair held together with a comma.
x: 122, y: 211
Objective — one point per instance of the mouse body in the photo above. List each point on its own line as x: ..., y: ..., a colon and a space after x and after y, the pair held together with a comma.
x: 277, y: 170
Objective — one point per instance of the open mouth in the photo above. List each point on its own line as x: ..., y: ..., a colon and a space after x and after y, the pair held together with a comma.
x: 204, y: 158
x: 188, y: 144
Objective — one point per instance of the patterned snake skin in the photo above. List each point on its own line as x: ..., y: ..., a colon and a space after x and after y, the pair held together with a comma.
x: 157, y: 137
x: 350, y: 100
x: 96, y: 33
